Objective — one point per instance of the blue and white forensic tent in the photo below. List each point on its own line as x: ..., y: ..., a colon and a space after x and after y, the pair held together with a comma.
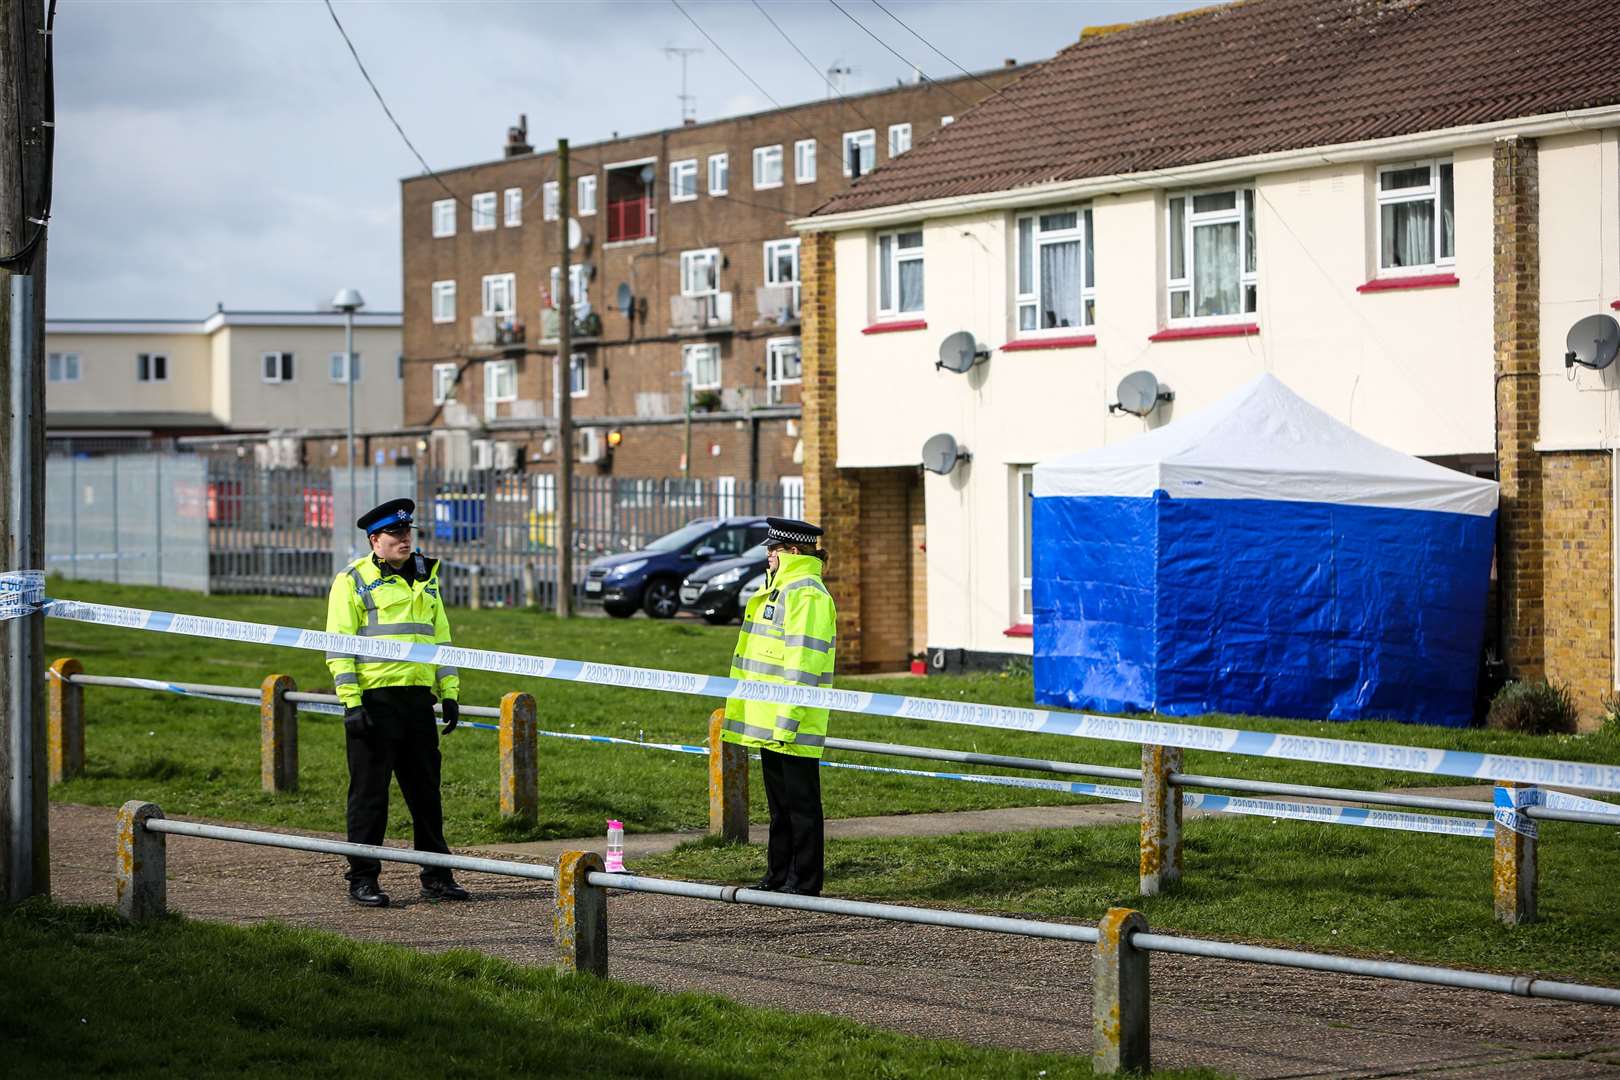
x: 1260, y: 557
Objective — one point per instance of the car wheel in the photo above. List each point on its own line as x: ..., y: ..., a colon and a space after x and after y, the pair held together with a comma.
x: 663, y: 598
x: 619, y: 612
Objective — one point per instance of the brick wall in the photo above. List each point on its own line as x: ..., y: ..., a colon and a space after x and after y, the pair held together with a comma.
x: 1579, y: 575
x: 919, y: 569
x: 1517, y: 261
x: 886, y: 555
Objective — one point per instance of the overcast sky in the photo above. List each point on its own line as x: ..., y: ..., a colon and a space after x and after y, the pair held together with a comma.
x: 230, y: 151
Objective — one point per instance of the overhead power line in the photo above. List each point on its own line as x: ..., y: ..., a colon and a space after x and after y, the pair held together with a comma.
x: 893, y: 52
x: 825, y: 76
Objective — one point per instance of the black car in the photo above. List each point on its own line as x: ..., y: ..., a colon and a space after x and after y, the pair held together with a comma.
x: 651, y: 578
x: 713, y: 590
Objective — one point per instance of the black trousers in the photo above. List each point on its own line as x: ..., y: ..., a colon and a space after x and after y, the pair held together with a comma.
x: 403, y: 742
x: 793, y: 791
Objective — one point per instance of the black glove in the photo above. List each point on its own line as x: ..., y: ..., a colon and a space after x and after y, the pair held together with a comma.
x: 452, y: 714
x: 355, y: 721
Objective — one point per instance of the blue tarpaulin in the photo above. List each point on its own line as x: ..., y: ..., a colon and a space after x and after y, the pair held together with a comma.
x: 1260, y: 557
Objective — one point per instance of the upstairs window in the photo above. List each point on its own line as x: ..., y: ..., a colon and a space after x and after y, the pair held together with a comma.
x: 336, y: 365
x: 1056, y: 276
x: 62, y: 367
x: 277, y: 367
x: 899, y: 139
x: 444, y: 217
x: 782, y: 267
x: 784, y: 366
x: 804, y: 161
x: 500, y: 294
x: 500, y: 381
x: 683, y: 180
x: 587, y: 196
x: 1212, y: 266
x: 700, y: 272
x: 548, y: 200
x: 483, y: 211
x: 767, y: 167
x: 862, y: 146
x: 514, y: 206
x: 444, y: 383
x: 578, y: 379
x: 1416, y: 217
x: 900, y: 273
x: 444, y: 301
x: 719, y: 173
x: 578, y: 285
x: 703, y: 363
x: 151, y: 367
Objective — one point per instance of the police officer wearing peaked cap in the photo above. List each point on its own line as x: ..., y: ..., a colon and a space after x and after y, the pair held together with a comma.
x: 392, y: 593
x: 787, y: 637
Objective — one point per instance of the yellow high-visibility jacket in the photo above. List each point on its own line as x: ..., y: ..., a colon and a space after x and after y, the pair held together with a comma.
x: 787, y: 637
x: 368, y: 602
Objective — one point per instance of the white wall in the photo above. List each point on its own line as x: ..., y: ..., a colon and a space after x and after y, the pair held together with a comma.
x: 107, y: 380
x: 312, y: 399
x: 1410, y: 368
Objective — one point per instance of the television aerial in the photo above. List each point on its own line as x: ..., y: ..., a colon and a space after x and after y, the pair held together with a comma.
x: 941, y: 453
x: 1592, y: 342
x: 1140, y: 393
x: 960, y: 352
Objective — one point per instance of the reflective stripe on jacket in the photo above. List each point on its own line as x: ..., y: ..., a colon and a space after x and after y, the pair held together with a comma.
x: 367, y: 603
x: 787, y: 637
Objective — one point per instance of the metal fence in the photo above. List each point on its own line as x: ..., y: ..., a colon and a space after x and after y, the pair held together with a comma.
x: 259, y: 530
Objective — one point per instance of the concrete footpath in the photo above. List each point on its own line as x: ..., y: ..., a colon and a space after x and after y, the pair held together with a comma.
x: 976, y: 987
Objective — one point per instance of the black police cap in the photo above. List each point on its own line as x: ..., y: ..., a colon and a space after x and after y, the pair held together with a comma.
x: 392, y: 512
x: 791, y: 531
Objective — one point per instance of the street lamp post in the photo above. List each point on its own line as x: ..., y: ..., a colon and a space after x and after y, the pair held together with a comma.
x: 349, y: 301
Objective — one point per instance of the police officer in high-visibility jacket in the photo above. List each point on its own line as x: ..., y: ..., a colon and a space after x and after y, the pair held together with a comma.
x: 787, y: 637
x: 393, y: 594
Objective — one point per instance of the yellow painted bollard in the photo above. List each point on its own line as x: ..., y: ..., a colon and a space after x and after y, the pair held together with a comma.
x: 728, y: 784
x: 140, y: 879
x: 64, y: 724
x: 520, y: 768
x: 1161, y: 819
x: 1119, y: 1005
x: 579, y: 919
x: 278, y: 735
x: 1513, y: 864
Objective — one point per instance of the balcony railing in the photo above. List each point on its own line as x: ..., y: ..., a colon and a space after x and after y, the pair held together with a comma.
x: 629, y: 219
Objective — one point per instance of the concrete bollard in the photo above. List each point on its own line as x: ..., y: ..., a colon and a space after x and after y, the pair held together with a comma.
x: 528, y: 585
x: 728, y: 784
x: 64, y: 723
x: 579, y: 920
x: 141, y: 880
x: 278, y: 735
x: 1513, y: 865
x: 1161, y: 819
x: 1119, y: 1004
x: 475, y: 587
x: 520, y: 768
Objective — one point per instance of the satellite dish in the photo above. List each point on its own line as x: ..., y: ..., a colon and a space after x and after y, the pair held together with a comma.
x: 574, y: 234
x: 1592, y: 342
x: 1140, y: 393
x: 959, y: 352
x: 622, y: 299
x: 941, y: 453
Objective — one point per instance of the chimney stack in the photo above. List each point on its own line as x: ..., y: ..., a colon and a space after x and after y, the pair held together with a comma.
x: 517, y: 138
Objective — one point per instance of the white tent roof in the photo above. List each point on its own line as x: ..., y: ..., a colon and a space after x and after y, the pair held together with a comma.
x: 1263, y: 441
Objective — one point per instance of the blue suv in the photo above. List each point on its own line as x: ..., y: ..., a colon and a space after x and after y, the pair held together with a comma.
x: 651, y: 578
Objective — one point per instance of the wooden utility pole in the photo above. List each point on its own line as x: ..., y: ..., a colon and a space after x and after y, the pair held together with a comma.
x: 25, y: 174
x: 564, y: 372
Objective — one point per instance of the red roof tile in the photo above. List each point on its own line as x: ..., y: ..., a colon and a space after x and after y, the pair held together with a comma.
x: 1262, y: 76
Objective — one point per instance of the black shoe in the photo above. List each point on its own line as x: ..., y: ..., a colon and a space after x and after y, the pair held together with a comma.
x: 791, y: 890
x: 765, y: 885
x: 366, y: 894
x: 444, y: 889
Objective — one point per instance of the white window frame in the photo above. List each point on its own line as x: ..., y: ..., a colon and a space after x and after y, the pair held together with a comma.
x: 492, y: 370
x: 804, y: 161
x: 690, y: 260
x: 690, y: 358
x: 579, y: 377
x: 276, y: 367
x: 579, y: 285
x: 1243, y: 213
x: 444, y: 217
x: 888, y: 307
x: 150, y: 362
x: 1027, y: 295
x: 63, y: 367
x: 1023, y: 560
x: 444, y: 301
x: 513, y: 210
x: 549, y: 200
x: 719, y: 174
x: 444, y: 383
x: 772, y: 247
x: 792, y: 488
x: 335, y: 366
x: 683, y: 186
x: 947, y: 121
x: 1431, y: 192
x: 764, y: 156
x: 867, y: 141
x: 496, y: 288
x: 898, y: 134
x: 586, y: 196
x: 483, y: 211
x: 776, y: 350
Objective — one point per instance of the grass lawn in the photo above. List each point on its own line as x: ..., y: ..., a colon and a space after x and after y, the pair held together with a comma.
x: 201, y: 758
x: 1300, y: 884
x: 272, y: 1001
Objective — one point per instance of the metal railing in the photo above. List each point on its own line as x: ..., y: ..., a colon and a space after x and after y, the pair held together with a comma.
x: 1122, y: 942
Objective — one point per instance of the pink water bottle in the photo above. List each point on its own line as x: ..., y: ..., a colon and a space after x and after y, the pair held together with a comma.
x: 615, y: 847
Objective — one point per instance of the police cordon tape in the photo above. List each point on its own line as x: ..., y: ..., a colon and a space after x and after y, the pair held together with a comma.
x: 1415, y: 759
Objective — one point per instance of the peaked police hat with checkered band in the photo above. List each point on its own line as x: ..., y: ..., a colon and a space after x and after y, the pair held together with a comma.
x: 392, y: 512
x: 790, y: 531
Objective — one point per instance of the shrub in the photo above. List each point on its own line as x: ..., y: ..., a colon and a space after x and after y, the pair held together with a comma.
x: 1609, y: 723
x: 1536, y: 708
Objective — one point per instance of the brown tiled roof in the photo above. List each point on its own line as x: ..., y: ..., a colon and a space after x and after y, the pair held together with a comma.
x: 1262, y: 76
